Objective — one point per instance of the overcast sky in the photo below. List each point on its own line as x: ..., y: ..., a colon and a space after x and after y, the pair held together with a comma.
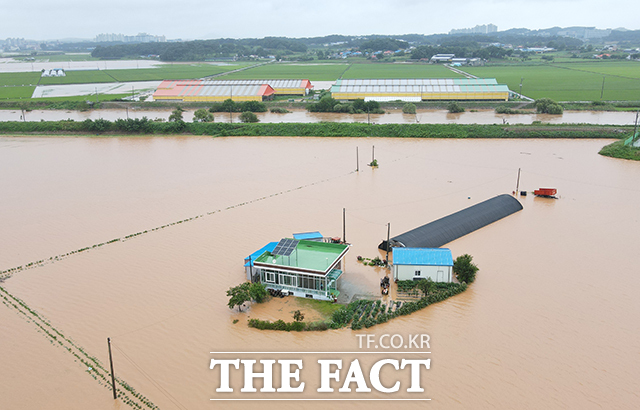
x: 196, y: 19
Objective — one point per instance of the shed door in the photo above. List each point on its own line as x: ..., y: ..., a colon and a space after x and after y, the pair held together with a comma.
x: 440, y: 276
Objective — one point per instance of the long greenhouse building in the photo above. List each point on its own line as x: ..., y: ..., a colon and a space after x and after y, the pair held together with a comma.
x: 420, y: 89
x: 203, y: 90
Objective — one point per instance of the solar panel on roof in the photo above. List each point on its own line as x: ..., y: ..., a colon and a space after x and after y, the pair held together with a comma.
x: 285, y: 247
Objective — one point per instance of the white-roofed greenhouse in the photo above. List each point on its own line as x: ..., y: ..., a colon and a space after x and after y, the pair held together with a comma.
x: 420, y: 89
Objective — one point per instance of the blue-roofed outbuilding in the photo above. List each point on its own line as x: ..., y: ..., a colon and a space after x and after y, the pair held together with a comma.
x: 423, y: 263
x: 308, y: 236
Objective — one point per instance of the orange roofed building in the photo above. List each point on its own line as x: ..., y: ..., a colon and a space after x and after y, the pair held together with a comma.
x: 203, y: 90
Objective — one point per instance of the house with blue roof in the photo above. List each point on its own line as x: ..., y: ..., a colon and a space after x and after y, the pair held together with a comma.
x: 423, y: 263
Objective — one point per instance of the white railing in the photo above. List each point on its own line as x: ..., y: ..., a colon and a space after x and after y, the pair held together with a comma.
x: 295, y: 288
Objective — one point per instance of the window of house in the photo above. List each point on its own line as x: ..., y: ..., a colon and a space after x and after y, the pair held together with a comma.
x: 271, y: 277
x: 417, y: 273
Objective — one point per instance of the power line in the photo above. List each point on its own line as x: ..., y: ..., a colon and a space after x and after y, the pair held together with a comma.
x: 156, y: 384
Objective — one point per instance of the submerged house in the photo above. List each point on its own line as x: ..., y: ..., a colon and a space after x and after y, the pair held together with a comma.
x: 423, y: 263
x: 304, y: 268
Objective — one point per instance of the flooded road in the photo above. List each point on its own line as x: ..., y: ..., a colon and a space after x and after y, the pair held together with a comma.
x: 551, y: 322
x: 303, y: 116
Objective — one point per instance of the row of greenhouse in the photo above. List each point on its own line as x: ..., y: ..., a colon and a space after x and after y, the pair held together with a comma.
x: 382, y: 90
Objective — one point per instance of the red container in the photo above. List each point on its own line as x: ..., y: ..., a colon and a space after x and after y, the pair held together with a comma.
x: 545, y: 191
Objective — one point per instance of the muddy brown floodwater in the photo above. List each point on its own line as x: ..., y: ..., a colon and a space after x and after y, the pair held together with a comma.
x: 303, y: 116
x: 551, y: 322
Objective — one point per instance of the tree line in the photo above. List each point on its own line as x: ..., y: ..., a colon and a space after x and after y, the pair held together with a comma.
x: 199, y: 50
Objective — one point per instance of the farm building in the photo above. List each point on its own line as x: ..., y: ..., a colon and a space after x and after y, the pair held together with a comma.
x: 423, y: 263
x: 442, y: 58
x: 456, y: 225
x: 304, y: 268
x: 202, y: 90
x: 281, y: 87
x: 419, y: 89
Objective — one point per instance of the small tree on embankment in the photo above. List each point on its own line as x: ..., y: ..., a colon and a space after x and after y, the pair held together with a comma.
x: 464, y: 269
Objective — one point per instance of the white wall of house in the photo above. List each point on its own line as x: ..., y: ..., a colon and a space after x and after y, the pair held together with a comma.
x: 436, y: 273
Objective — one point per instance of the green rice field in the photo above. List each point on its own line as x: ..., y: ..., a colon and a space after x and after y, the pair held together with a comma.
x: 164, y: 72
x: 173, y: 72
x: 570, y: 81
x: 80, y: 77
x: 16, y: 93
x: 30, y: 78
x: 275, y: 71
x: 399, y: 70
x: 580, y: 80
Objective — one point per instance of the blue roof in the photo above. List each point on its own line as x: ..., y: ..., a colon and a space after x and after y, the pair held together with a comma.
x: 307, y: 235
x: 422, y: 256
x: 268, y: 247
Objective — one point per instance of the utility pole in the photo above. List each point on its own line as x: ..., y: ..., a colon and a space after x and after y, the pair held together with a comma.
x: 357, y: 161
x: 635, y: 128
x: 344, y: 226
x: 373, y: 153
x: 521, y: 81
x: 388, y: 246
x: 518, y: 183
x: 113, y: 378
x: 97, y: 95
x: 602, y: 91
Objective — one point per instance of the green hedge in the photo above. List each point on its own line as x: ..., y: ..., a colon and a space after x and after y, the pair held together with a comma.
x: 322, y: 129
x: 365, y: 313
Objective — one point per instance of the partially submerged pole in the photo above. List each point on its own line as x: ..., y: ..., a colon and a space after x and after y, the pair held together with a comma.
x: 518, y: 183
x: 357, y: 161
x: 344, y: 226
x: 113, y: 379
x: 388, y: 246
x: 373, y: 153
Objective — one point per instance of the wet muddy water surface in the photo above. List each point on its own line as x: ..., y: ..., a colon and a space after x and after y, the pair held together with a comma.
x: 302, y: 116
x: 551, y: 322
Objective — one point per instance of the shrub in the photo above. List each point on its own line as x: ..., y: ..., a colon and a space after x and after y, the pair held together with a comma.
x: 316, y: 326
x: 325, y: 104
x: 501, y: 109
x: 248, y: 117
x: 202, y: 115
x: 298, y: 316
x: 346, y: 108
x: 548, y: 106
x: 454, y: 107
x: 176, y: 115
x: 252, y: 106
x: 464, y: 269
x: 409, y: 108
x: 279, y: 110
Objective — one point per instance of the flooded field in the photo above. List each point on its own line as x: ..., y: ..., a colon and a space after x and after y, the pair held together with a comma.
x: 551, y: 322
x: 303, y: 116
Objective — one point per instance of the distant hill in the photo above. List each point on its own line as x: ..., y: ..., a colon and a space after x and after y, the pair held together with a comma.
x: 561, y: 38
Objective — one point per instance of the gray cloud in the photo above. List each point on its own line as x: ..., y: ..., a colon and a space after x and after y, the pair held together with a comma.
x: 37, y: 19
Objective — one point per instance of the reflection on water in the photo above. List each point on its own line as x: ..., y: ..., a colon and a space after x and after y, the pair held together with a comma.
x: 551, y: 321
x: 391, y: 117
